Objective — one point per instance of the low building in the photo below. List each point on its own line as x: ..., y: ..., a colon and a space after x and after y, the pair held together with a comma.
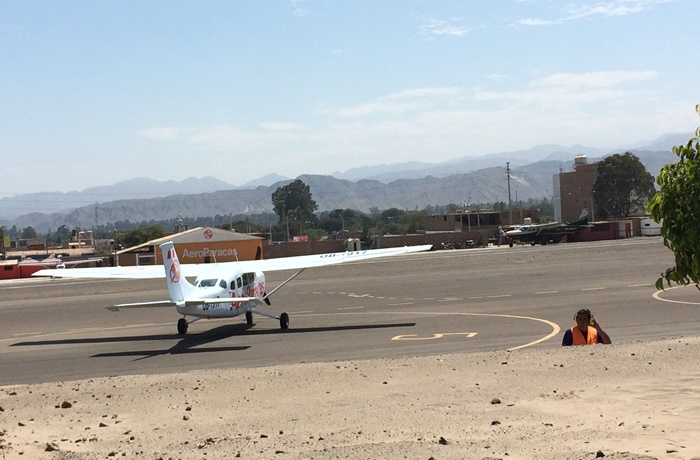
x: 198, y: 245
x: 9, y: 269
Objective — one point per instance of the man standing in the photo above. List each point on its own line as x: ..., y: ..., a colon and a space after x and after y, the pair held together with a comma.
x: 586, y: 332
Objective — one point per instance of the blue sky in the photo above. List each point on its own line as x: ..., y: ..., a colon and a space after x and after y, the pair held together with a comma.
x: 94, y: 92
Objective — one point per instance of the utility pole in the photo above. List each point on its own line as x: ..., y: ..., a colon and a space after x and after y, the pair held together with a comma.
x: 510, y: 207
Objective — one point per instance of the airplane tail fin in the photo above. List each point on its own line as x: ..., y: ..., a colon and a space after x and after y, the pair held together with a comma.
x: 178, y: 286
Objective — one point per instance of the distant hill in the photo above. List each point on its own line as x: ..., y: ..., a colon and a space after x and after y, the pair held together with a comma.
x: 412, y: 185
x: 466, y: 164
x: 486, y: 185
x: 265, y: 181
x: 140, y: 187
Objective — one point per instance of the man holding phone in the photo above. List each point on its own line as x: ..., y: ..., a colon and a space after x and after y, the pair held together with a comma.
x: 586, y: 332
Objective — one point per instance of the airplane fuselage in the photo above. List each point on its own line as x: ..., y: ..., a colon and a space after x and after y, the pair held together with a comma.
x: 209, y: 287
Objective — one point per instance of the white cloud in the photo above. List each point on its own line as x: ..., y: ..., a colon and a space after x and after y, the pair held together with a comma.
x: 608, y: 8
x: 497, y: 77
x: 560, y: 92
x: 443, y: 27
x: 595, y: 79
x: 161, y: 133
x: 440, y: 123
x: 227, y: 137
x: 612, y: 8
x: 298, y: 8
x: 400, y: 102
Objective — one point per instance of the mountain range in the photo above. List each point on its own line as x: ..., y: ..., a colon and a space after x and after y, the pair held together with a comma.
x: 412, y: 185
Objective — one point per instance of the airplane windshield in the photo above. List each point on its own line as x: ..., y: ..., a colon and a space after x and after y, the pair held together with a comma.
x: 207, y: 283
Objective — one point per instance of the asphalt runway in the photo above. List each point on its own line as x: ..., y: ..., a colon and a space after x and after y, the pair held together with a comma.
x: 422, y: 304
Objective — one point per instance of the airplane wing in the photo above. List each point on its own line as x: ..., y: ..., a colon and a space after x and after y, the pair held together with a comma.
x: 320, y: 260
x: 190, y: 270
x: 137, y: 272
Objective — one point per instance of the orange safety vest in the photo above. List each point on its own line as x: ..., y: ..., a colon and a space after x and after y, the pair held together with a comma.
x: 578, y: 338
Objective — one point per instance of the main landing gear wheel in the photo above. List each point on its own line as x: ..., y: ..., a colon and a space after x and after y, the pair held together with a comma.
x: 249, y: 318
x: 284, y: 321
x: 533, y: 242
x: 182, y: 326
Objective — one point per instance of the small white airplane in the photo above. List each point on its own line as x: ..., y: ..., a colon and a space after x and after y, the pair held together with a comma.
x: 220, y: 290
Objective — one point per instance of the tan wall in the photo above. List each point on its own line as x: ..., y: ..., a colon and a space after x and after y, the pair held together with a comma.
x: 302, y: 248
x: 196, y: 253
x: 219, y: 251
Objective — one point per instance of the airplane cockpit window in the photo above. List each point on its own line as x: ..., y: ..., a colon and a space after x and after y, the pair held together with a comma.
x: 248, y: 278
x: 207, y: 283
x: 222, y: 284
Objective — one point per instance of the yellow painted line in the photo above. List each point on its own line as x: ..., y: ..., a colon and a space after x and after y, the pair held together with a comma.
x: 498, y: 296
x: 359, y: 296
x: 555, y: 327
x: 399, y: 304
x: 477, y: 297
x: 657, y: 296
x: 468, y: 335
x: 594, y: 289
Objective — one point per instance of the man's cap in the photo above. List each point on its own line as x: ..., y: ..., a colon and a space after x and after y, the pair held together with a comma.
x: 584, y: 311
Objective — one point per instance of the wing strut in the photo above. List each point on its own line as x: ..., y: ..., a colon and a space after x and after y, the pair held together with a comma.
x: 285, y: 282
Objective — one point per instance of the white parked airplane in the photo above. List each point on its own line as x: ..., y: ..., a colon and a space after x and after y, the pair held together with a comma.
x: 221, y: 290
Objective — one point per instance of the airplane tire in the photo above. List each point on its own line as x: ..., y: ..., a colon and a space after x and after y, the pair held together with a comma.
x: 510, y: 243
x: 533, y: 242
x: 249, y: 318
x: 284, y: 321
x: 182, y: 326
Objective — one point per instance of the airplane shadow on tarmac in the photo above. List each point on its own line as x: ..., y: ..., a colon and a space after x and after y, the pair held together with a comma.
x: 188, y: 343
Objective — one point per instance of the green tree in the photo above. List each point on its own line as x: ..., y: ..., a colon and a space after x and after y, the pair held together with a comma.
x: 677, y: 207
x: 60, y: 236
x: 141, y: 234
x: 293, y: 203
x: 623, y: 186
x: 413, y: 221
x: 28, y: 232
x: 389, y: 221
